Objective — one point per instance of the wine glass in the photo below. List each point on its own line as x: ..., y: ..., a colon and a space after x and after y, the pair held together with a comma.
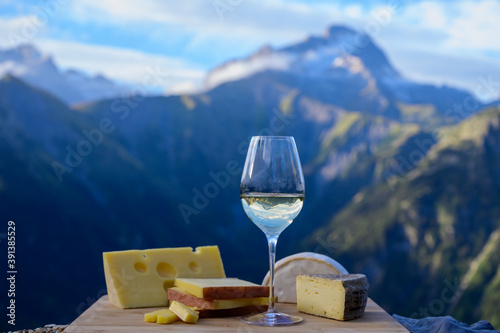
x: 272, y: 194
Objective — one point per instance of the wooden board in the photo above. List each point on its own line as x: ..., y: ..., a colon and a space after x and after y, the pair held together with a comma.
x: 104, y: 317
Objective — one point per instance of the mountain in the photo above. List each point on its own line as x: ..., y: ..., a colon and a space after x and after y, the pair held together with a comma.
x: 153, y: 171
x: 64, y: 224
x: 431, y: 237
x: 70, y: 86
x: 346, y: 68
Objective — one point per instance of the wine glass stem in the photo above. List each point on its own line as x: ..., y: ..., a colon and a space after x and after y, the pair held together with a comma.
x: 271, y: 241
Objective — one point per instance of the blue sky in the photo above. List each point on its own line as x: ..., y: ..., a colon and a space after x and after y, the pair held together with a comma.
x: 442, y: 42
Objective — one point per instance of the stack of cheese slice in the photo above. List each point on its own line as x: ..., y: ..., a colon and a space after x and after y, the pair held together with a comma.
x: 219, y: 297
x: 204, y: 298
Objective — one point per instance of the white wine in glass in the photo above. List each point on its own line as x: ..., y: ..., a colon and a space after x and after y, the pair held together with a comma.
x: 272, y: 195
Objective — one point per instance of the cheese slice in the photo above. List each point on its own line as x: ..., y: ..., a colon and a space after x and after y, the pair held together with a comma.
x: 151, y: 317
x: 221, y: 288
x: 167, y: 317
x: 140, y: 278
x: 186, y: 314
x: 337, y: 296
x: 287, y: 269
x: 176, y: 294
x: 234, y: 312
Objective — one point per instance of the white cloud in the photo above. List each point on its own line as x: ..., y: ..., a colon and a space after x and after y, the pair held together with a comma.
x: 467, y: 25
x: 129, y: 66
x: 428, y: 14
x: 240, y: 69
x: 183, y: 88
x: 478, y: 27
x: 354, y: 11
x: 258, y: 21
x: 123, y: 12
x: 16, y: 31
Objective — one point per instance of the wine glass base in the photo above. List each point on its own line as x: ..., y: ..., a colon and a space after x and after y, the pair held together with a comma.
x: 272, y: 319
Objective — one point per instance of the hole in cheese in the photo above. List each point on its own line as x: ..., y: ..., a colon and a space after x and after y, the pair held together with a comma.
x: 168, y: 284
x: 140, y: 267
x: 166, y: 270
x: 194, y: 267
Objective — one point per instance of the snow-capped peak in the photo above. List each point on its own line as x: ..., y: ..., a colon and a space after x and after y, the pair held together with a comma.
x: 339, y: 48
x: 27, y: 63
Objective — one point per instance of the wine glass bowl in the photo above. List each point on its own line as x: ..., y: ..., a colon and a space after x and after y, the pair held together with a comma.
x: 272, y: 194
x: 273, y: 212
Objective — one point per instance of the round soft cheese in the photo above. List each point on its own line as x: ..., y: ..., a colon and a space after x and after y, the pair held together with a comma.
x: 287, y: 269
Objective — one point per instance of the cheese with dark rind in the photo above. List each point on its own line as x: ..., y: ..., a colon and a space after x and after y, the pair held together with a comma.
x: 221, y: 288
x: 179, y: 295
x: 336, y: 296
x: 287, y: 269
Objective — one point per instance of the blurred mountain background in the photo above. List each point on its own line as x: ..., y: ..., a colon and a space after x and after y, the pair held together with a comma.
x: 402, y: 178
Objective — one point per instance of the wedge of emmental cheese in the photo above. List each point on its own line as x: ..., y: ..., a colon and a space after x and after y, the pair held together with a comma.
x: 141, y: 278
